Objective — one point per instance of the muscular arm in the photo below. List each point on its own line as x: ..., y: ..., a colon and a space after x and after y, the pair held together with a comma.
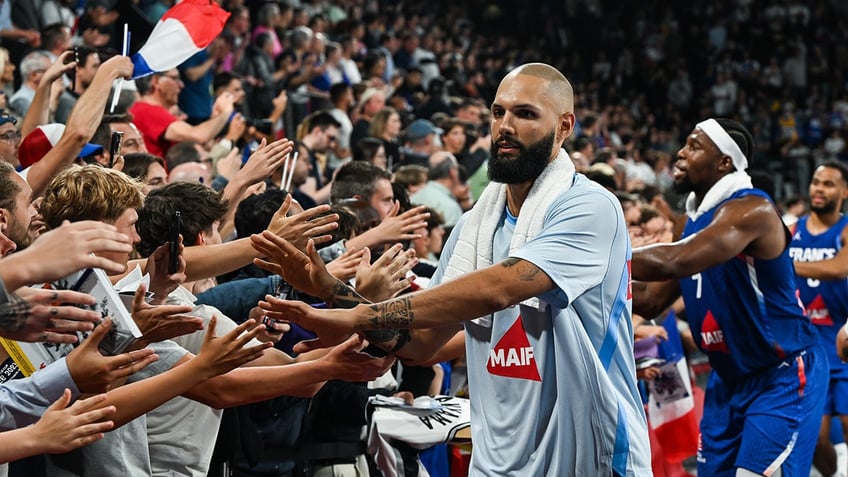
x: 437, y: 313
x: 652, y: 298
x: 835, y: 268
x: 748, y: 225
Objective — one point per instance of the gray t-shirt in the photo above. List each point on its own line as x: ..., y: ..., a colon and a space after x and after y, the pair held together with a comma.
x: 554, y: 392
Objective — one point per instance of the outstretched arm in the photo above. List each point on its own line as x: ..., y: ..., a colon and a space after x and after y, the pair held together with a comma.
x: 60, y: 429
x: 440, y: 310
x: 219, y: 355
x: 748, y: 225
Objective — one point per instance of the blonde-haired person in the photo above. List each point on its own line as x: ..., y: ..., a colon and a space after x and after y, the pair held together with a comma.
x: 386, y: 127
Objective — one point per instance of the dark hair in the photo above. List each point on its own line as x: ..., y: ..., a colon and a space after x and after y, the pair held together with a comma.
x: 581, y: 142
x: 740, y: 135
x: 83, y: 53
x: 102, y: 136
x: 223, y: 79
x: 338, y: 90
x: 648, y: 192
x: 366, y: 148
x: 323, y: 120
x: 137, y: 163
x: 200, y: 207
x: 181, y: 153
x: 799, y: 199
x: 357, y: 178
x: 255, y: 212
x: 366, y: 216
x: 839, y: 166
x: 605, y: 180
x: 349, y: 223
x: 401, y: 196
x: 142, y: 85
x: 51, y: 34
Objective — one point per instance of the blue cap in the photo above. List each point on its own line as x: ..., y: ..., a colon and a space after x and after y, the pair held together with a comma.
x: 90, y: 149
x: 421, y: 128
x: 7, y: 118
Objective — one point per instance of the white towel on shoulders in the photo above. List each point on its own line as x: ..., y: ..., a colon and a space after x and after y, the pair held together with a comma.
x: 722, y: 189
x: 473, y: 249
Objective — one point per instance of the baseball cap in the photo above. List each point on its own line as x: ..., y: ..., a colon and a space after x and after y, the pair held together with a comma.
x: 39, y: 142
x: 420, y: 128
x: 5, y: 117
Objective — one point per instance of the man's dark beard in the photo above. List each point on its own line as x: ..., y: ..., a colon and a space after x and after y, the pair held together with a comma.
x: 682, y: 186
x: 525, y: 167
x: 827, y: 208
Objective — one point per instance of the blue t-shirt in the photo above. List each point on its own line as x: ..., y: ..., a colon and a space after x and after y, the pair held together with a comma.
x: 196, y: 97
x: 826, y: 301
x: 745, y: 313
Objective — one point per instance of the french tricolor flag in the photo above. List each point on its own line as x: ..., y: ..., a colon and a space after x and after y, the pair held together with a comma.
x: 185, y: 29
x: 671, y: 402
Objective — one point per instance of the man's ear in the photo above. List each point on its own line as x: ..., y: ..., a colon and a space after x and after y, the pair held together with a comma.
x: 566, y: 125
x: 201, y: 240
x: 4, y: 219
x: 725, y: 164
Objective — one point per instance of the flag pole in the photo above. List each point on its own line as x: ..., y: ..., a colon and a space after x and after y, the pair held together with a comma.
x: 291, y: 172
x: 120, y: 82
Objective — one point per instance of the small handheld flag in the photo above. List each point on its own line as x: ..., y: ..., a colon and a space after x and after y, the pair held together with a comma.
x: 185, y: 29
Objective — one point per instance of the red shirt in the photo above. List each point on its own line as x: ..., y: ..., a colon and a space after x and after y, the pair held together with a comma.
x: 152, y: 121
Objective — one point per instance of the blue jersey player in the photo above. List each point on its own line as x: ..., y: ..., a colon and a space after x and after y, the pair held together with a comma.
x: 817, y: 249
x: 765, y: 395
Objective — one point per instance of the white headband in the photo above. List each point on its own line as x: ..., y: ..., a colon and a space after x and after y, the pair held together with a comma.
x: 724, y: 142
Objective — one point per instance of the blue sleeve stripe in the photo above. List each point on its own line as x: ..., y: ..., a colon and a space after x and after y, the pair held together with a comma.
x: 611, y: 339
x: 622, y: 446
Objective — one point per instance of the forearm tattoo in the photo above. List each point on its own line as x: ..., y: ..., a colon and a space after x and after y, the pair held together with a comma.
x: 344, y: 296
x: 14, y: 314
x: 393, y: 314
x: 527, y: 272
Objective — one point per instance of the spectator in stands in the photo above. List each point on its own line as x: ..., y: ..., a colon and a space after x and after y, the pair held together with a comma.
x: 87, y: 63
x: 371, y: 149
x: 159, y: 127
x: 146, y: 168
x: 420, y: 140
x: 386, y: 127
x: 32, y: 68
x: 438, y: 193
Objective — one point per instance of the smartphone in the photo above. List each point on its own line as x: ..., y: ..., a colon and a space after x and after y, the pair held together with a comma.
x: 115, y: 146
x: 174, y: 244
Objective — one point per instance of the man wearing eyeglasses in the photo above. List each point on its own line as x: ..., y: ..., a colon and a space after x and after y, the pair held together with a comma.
x: 155, y: 113
x: 10, y: 139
